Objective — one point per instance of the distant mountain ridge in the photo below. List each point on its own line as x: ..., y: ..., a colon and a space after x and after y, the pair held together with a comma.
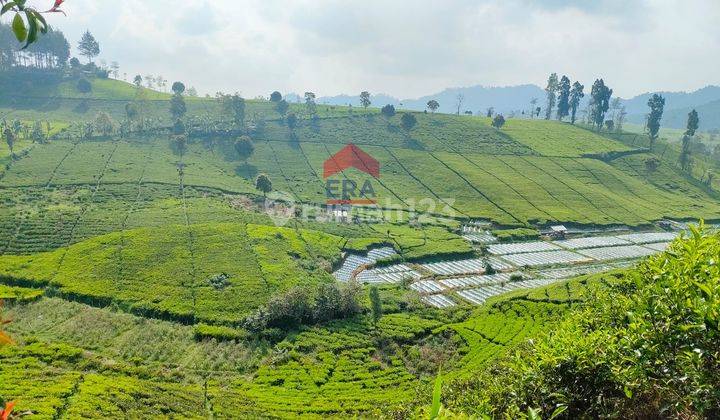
x: 476, y: 98
x: 509, y: 99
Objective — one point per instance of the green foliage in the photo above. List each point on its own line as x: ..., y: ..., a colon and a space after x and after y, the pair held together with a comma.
x: 244, y: 147
x: 375, y: 304
x: 693, y: 122
x: 83, y: 86
x: 177, y: 106
x: 178, y: 88
x: 657, y: 105
x: 388, y: 111
x: 27, y: 23
x: 408, y: 121
x: 576, y: 94
x: 563, y: 98
x: 599, y: 102
x: 498, y: 121
x: 304, y: 305
x: 365, y: 99
x: 263, y: 184
x: 550, y: 91
x: 88, y: 46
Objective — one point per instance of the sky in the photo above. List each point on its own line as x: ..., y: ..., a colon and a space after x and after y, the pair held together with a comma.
x: 405, y: 49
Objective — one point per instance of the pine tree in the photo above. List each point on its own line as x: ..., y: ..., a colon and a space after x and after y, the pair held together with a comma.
x: 693, y: 123
x: 88, y: 46
x: 576, y: 94
x: 657, y: 105
x: 550, y: 90
x: 599, y: 103
x: 563, y: 106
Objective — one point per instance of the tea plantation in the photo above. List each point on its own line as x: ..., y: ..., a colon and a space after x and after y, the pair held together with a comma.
x: 144, y: 275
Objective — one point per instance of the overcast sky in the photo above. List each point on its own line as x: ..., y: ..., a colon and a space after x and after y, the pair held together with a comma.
x: 404, y: 48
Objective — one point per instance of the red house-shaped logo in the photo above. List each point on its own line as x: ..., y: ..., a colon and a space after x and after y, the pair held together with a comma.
x: 351, y: 156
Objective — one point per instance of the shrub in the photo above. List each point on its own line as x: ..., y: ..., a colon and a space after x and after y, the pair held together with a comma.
x: 83, y: 86
x: 388, y: 110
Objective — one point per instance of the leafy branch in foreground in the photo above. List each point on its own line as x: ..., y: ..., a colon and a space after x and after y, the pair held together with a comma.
x: 28, y: 22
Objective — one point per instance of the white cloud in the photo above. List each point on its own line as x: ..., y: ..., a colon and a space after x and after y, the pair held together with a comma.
x: 405, y: 48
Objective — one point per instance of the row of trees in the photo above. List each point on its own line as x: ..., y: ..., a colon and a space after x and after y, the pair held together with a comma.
x: 566, y: 96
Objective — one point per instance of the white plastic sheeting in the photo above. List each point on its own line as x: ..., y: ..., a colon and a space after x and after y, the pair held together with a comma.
x: 390, y: 274
x: 480, y: 295
x: 474, y: 281
x: 591, y: 242
x: 354, y: 261
x: 649, y: 237
x: 427, y: 286
x: 438, y: 301
x: 520, y: 247
x: 538, y: 259
x: 618, y: 252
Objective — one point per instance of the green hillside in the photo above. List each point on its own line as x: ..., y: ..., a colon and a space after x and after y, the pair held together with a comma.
x: 528, y: 172
x: 146, y: 276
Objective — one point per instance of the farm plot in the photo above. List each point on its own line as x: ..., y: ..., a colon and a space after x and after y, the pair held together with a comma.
x: 660, y: 246
x: 591, y: 242
x: 474, y: 281
x: 427, y: 286
x: 390, y: 274
x: 575, y: 271
x: 523, y: 247
x: 438, y: 301
x: 538, y: 259
x: 477, y: 234
x: 649, y: 237
x: 480, y: 295
x: 618, y: 252
x: 475, y: 265
x: 354, y: 261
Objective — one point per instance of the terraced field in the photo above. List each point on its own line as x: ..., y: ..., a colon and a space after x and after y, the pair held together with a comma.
x: 134, y: 269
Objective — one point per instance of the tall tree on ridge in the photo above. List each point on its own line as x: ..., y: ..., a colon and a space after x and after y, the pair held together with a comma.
x: 433, y: 105
x: 576, y: 94
x: 693, y: 122
x: 563, y: 106
x: 599, y: 103
x: 365, y: 99
x: 657, y: 105
x: 550, y: 90
x: 310, y: 103
x: 177, y: 102
x: 88, y: 46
